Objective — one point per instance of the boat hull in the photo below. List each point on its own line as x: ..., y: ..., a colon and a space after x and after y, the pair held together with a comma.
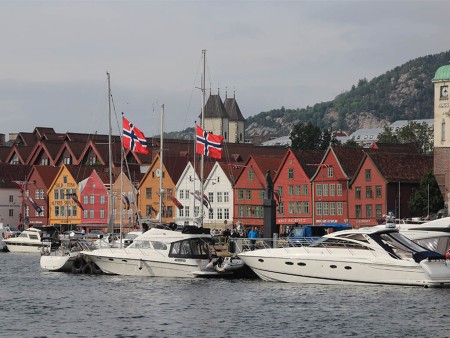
x: 113, y: 261
x: 322, y: 268
x: 58, y: 263
x: 26, y: 248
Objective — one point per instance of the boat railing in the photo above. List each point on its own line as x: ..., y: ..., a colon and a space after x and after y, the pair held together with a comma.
x: 245, y: 244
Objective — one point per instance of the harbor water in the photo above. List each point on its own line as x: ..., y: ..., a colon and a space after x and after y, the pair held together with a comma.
x: 36, y: 303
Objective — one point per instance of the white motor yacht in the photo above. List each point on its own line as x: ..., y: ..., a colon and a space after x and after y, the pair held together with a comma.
x: 357, y: 256
x: 33, y: 240
x: 433, y: 235
x: 159, y: 252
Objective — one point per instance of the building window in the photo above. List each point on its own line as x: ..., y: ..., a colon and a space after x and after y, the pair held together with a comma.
x: 368, y: 175
x: 181, y: 195
x: 226, y: 213
x: 291, y: 190
x: 85, y: 214
x: 378, y: 210
x: 41, y: 194
x: 281, y: 208
x: 181, y: 212
x: 91, y: 213
x: 325, y: 208
x: 169, y: 211
x: 358, y: 211
x: 211, y: 197
x: 298, y: 190
x: 226, y: 197
x: 240, y: 211
x: 148, y: 210
x: 368, y: 210
x: 298, y: 207
x: 102, y: 199
x: 280, y: 191
x: 248, y: 211
x: 65, y: 179
x: 319, y: 190
x: 148, y: 193
x: 378, y: 191
x: 325, y: 190
x: 291, y: 207
x: 240, y: 194
x: 319, y: 208
x: 369, y: 192
x: 56, y: 194
x: 330, y: 171
x: 102, y: 213
x: 306, y: 207
x: 219, y: 197
x: 340, y: 208
x: 219, y: 213
x: 332, y: 189
x: 262, y: 193
x: 92, y: 199
x: 186, y: 211
x: 339, y: 189
x: 251, y: 175
x: 332, y: 208
x: 358, y: 192
x: 304, y: 189
x: 85, y: 199
x: 249, y: 194
x: 196, y: 211
x: 290, y: 173
x: 36, y: 194
x: 11, y: 199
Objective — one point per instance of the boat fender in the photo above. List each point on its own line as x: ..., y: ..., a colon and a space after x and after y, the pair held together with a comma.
x: 45, y: 251
x: 96, y: 270
x: 77, y: 266
x: 87, y: 269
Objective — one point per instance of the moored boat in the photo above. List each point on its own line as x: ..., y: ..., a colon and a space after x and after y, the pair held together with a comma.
x: 34, y: 240
x: 357, y: 256
x: 160, y: 252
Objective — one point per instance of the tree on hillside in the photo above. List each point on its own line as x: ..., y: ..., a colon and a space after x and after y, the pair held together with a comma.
x: 309, y: 137
x: 428, y: 197
x: 419, y: 134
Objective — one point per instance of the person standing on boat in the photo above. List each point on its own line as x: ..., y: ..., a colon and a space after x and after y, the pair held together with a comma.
x: 253, y: 235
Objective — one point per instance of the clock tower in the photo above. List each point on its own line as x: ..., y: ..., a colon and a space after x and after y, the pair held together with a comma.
x: 441, y: 82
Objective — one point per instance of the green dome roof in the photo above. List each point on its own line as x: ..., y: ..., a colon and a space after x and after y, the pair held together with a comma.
x: 443, y: 73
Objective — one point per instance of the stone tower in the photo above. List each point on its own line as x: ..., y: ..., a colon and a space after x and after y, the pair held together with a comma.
x: 216, y: 117
x: 441, y: 82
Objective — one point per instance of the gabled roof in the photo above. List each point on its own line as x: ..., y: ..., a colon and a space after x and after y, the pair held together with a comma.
x: 348, y: 158
x: 175, y: 166
x: 23, y: 152
x: 10, y: 173
x: 232, y: 108
x: 307, y: 159
x: 215, y: 108
x: 232, y: 171
x: 408, y: 148
x: 401, y: 167
x: 46, y: 172
x: 43, y: 132
x: 4, y: 153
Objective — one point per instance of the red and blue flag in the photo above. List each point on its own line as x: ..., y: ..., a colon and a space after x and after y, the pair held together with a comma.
x: 209, y: 144
x: 133, y: 138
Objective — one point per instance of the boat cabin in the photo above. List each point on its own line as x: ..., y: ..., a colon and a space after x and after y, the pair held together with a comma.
x: 307, y: 233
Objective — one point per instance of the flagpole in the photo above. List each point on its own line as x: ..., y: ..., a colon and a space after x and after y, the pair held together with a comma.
x: 122, y: 150
x: 161, y: 165
x: 110, y: 208
x: 203, y: 127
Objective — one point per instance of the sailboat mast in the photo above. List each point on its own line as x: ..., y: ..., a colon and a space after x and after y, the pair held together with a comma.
x: 110, y: 208
x: 161, y: 165
x: 202, y: 159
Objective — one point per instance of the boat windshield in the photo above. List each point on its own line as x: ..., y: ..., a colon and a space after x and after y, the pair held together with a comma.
x: 190, y: 248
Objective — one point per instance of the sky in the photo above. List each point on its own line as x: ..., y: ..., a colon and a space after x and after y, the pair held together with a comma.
x: 268, y: 54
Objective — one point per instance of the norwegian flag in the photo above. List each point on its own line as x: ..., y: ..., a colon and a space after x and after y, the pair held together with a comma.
x: 209, y: 144
x: 35, y: 205
x: 133, y: 138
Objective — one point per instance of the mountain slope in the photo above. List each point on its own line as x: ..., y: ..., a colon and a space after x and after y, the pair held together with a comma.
x: 403, y: 93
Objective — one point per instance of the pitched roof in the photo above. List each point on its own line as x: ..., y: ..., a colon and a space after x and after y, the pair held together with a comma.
x: 402, y: 167
x: 349, y: 158
x: 215, y: 108
x: 307, y: 158
x: 10, y: 173
x: 233, y: 110
x: 47, y: 173
x: 409, y: 148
